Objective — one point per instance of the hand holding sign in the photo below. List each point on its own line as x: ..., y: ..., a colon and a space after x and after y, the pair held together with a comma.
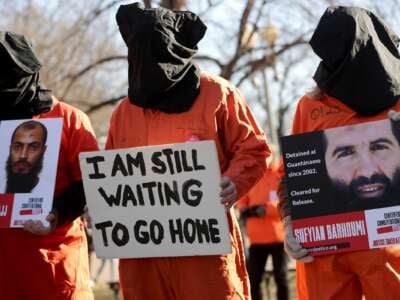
x: 292, y: 246
x: 37, y: 227
x: 228, y: 192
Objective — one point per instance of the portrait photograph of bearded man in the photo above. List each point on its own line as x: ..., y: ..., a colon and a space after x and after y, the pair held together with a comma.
x: 363, y: 164
x: 25, y: 159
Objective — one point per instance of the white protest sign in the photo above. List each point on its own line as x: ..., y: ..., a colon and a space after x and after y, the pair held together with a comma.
x: 156, y: 201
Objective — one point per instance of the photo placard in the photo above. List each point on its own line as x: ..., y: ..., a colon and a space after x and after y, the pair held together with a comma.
x: 344, y: 186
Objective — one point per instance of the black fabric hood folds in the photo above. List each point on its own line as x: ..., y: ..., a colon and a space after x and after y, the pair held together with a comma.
x: 21, y: 95
x: 161, y: 45
x: 360, y: 63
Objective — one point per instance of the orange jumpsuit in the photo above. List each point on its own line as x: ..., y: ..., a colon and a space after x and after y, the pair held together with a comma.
x: 374, y: 273
x: 268, y: 229
x: 54, y: 266
x: 220, y: 114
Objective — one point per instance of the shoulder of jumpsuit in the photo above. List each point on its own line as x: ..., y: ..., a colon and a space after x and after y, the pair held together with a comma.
x: 314, y: 114
x: 124, y: 109
x: 124, y: 104
x: 58, y: 110
x: 331, y: 113
x: 213, y: 92
x: 215, y: 89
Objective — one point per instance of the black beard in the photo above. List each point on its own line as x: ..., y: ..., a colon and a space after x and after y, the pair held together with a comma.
x: 22, y: 183
x: 348, y: 196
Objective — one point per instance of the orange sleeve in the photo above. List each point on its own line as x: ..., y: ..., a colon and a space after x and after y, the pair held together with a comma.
x: 300, y: 121
x: 244, y: 143
x: 81, y: 139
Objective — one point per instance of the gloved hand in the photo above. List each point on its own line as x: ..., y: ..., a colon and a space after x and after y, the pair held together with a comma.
x: 38, y: 228
x: 292, y: 246
x: 228, y: 192
x: 257, y: 211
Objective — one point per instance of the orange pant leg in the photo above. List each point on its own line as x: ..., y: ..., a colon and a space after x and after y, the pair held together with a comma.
x: 145, y: 278
x: 28, y: 270
x: 378, y: 278
x: 326, y: 279
x: 183, y: 278
x: 349, y: 276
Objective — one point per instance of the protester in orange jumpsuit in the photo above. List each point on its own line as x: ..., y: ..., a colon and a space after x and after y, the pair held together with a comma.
x: 171, y: 102
x: 358, y: 81
x: 38, y: 262
x: 264, y: 230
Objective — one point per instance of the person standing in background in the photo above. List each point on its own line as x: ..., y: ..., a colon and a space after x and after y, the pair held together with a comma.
x: 264, y: 229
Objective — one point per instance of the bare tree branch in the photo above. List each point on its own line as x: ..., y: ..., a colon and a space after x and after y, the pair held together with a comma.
x: 242, y: 24
x: 84, y: 23
x: 173, y: 4
x: 100, y: 105
x: 228, y: 68
x: 210, y: 6
x: 266, y: 60
x: 74, y: 77
x: 283, y: 107
x: 209, y: 58
x: 94, y: 65
x: 147, y: 3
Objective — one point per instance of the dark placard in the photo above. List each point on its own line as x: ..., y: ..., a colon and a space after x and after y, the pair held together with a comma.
x: 344, y: 186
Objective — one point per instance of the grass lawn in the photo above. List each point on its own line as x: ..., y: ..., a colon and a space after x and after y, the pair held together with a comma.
x: 104, y: 292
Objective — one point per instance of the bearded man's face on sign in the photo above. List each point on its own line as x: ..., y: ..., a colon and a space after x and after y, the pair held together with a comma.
x: 25, y: 160
x: 363, y: 163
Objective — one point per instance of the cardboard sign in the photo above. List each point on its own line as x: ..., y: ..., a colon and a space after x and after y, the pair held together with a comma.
x: 28, y: 166
x: 156, y: 201
x: 344, y: 186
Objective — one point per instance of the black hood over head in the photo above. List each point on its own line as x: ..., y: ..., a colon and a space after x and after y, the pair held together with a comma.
x: 161, y: 45
x: 21, y: 95
x: 360, y: 63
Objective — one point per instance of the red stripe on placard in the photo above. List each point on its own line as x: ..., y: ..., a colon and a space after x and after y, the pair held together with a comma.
x: 35, y: 211
x: 332, y: 233
x: 390, y: 228
x: 385, y: 229
x: 6, y: 207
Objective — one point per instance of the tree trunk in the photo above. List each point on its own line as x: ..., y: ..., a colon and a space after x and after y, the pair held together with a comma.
x: 173, y: 4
